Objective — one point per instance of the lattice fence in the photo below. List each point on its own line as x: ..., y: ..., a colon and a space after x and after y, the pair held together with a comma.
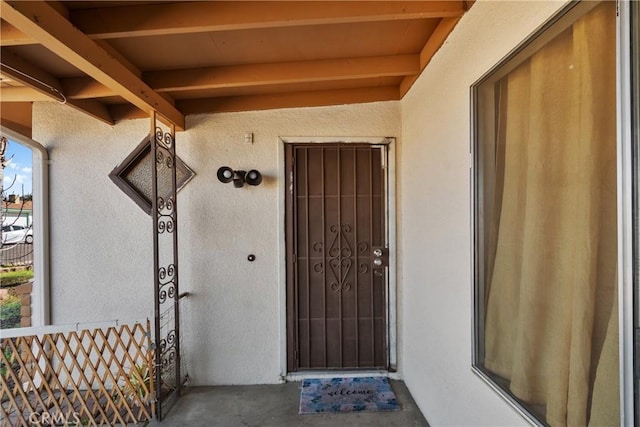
x: 101, y: 376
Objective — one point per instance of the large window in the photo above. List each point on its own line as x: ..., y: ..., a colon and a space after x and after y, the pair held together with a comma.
x: 24, y: 238
x: 546, y: 221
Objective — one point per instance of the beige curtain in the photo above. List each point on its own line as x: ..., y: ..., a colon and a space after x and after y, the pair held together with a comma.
x: 551, y: 316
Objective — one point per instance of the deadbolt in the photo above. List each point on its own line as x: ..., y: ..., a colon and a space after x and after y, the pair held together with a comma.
x: 379, y: 257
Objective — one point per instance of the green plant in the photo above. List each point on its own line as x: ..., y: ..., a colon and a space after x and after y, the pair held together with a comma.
x: 138, y: 385
x: 8, y: 355
x: 10, y: 312
x: 9, y: 362
x: 13, y: 278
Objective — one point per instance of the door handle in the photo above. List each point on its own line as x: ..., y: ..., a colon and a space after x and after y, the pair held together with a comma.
x: 379, y: 257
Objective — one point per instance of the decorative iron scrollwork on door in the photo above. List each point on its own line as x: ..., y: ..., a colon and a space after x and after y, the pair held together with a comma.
x: 335, y: 218
x: 341, y: 257
x: 363, y: 250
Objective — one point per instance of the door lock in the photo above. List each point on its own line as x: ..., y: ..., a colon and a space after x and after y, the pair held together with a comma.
x: 379, y: 257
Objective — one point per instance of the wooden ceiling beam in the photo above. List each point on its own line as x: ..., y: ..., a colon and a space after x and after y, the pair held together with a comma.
x: 434, y: 43
x: 269, y: 102
x: 85, y: 88
x: 289, y: 100
x: 22, y: 94
x: 256, y: 75
x: 282, y: 73
x: 436, y: 40
x: 193, y: 17
x: 121, y: 112
x: 22, y: 71
x: 17, y: 116
x: 43, y: 22
x: 11, y: 36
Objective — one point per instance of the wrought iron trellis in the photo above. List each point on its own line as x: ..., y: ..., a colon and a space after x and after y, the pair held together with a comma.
x: 165, y: 254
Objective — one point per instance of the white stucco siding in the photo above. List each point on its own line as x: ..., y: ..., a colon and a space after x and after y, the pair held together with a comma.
x: 436, y: 209
x: 101, y: 247
x: 101, y: 241
x: 233, y: 323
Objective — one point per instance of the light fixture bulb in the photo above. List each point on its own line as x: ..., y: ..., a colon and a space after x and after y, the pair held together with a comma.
x: 227, y: 174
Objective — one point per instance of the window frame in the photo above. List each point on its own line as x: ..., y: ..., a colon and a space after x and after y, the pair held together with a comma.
x: 629, y: 89
x: 629, y: 299
x: 41, y: 295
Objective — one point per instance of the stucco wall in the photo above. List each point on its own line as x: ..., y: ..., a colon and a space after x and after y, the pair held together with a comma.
x: 436, y: 212
x: 101, y: 247
x: 101, y: 241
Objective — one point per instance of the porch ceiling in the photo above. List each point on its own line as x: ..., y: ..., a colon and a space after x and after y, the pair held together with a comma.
x: 117, y: 60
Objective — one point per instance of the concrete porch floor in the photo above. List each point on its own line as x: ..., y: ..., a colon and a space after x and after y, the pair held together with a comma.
x: 277, y: 405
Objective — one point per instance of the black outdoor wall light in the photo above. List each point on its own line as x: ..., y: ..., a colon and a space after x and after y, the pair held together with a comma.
x: 226, y: 174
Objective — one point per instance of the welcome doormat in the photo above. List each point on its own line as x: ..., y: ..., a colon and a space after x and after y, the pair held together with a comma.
x: 347, y: 395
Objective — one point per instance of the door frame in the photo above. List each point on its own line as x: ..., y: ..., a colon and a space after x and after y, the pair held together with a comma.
x: 390, y: 224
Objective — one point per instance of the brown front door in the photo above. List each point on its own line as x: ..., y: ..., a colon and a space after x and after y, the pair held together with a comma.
x: 336, y: 257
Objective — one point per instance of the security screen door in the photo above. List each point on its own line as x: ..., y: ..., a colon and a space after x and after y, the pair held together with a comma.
x: 336, y: 256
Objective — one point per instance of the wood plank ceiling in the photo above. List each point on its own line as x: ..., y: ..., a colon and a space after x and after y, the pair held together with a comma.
x: 117, y: 60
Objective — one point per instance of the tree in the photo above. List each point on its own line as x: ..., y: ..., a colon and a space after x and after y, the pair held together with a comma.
x: 3, y: 160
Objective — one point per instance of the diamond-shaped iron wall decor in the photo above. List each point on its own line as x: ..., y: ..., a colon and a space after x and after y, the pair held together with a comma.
x: 133, y: 175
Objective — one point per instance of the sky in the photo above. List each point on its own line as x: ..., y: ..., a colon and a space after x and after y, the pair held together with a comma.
x: 19, y: 167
